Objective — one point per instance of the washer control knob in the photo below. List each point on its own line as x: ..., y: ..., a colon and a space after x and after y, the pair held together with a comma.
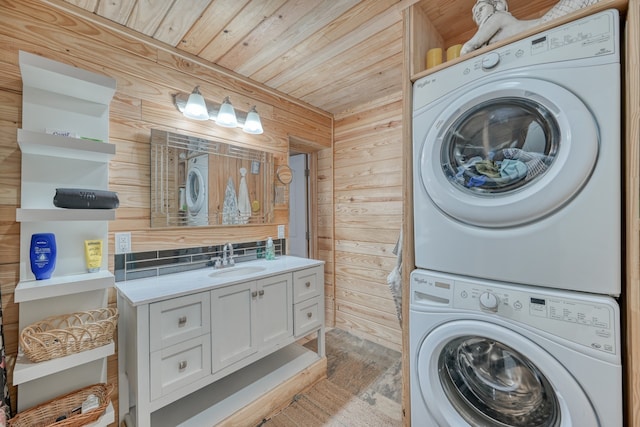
x: 489, y: 301
x: 490, y: 60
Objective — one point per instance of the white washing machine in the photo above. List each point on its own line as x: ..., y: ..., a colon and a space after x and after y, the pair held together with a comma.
x: 488, y: 354
x: 517, y: 161
x: 197, y: 189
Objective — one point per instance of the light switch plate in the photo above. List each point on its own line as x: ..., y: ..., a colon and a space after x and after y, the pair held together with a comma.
x: 123, y: 242
x: 281, y: 232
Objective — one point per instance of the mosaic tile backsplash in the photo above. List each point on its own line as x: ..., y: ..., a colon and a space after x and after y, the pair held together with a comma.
x: 137, y: 265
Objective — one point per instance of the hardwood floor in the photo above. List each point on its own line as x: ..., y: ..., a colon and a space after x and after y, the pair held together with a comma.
x: 363, y: 388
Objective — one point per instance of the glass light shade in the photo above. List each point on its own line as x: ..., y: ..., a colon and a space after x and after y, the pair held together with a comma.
x: 252, y: 124
x: 196, y: 108
x: 227, y: 115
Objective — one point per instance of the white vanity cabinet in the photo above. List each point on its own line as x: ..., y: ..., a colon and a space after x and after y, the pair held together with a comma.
x: 193, y: 357
x: 57, y: 98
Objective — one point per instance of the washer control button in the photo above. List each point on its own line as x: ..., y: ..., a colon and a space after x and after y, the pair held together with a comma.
x: 490, y: 60
x: 489, y: 301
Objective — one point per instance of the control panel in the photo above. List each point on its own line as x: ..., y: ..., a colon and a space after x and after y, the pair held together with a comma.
x: 583, y: 319
x: 594, y: 39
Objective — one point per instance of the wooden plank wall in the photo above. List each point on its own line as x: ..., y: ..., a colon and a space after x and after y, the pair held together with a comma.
x: 368, y: 197
x: 147, y: 75
x: 631, y: 295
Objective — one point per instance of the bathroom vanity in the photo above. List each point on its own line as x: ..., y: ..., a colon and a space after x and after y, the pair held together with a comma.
x: 198, y: 346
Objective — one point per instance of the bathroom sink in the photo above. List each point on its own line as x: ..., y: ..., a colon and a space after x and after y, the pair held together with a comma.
x: 237, y: 271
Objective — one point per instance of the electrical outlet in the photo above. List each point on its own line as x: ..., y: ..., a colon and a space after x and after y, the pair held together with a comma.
x: 123, y: 243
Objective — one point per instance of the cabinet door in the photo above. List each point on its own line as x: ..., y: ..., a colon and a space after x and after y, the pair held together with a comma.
x: 275, y: 310
x: 233, y: 324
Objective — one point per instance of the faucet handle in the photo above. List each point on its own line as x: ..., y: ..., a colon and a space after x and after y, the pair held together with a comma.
x: 217, y: 262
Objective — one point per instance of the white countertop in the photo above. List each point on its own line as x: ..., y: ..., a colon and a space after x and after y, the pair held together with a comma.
x: 151, y: 289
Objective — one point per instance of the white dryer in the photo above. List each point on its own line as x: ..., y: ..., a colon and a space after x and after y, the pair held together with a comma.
x: 493, y: 355
x: 517, y: 161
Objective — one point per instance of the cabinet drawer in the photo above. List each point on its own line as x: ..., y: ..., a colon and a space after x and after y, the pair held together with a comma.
x: 307, y: 283
x: 179, y: 319
x: 308, y: 315
x: 179, y: 365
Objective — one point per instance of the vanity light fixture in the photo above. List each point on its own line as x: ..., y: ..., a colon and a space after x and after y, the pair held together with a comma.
x: 252, y: 124
x: 195, y: 107
x: 227, y: 115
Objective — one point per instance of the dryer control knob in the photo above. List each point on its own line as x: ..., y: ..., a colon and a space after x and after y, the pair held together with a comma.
x: 490, y: 60
x: 489, y: 301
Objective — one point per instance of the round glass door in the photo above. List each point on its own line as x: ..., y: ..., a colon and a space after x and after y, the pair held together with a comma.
x: 195, y: 190
x: 489, y: 382
x: 482, y: 374
x: 509, y: 153
x: 499, y: 146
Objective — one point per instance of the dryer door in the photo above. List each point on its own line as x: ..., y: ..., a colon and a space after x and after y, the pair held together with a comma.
x: 509, y: 152
x: 481, y: 374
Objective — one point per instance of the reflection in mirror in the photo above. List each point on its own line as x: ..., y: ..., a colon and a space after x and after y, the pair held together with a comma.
x: 196, y: 182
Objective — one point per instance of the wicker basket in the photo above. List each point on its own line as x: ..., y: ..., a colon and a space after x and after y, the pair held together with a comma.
x: 46, y: 413
x: 59, y: 336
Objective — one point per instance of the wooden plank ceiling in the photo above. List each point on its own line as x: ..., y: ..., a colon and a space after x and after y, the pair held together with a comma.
x: 336, y: 55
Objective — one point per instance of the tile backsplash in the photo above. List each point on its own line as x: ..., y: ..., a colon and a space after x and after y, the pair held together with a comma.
x: 137, y: 265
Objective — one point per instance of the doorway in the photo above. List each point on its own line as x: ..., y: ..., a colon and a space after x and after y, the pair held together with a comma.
x: 299, y: 206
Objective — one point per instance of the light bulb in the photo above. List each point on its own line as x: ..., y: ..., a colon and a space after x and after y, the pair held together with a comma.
x: 252, y: 124
x: 196, y: 108
x: 227, y: 115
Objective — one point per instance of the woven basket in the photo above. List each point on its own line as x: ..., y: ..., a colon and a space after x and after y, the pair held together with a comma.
x: 46, y: 413
x: 67, y: 334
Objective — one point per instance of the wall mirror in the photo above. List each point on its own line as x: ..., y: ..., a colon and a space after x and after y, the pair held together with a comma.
x: 201, y: 182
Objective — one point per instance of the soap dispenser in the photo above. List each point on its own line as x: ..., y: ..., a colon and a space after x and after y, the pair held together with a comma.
x: 270, y: 250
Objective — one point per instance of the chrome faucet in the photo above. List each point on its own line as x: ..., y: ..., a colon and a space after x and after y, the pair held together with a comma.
x: 228, y: 259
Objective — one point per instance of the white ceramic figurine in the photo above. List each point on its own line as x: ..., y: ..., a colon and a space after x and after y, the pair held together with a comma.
x: 495, y: 23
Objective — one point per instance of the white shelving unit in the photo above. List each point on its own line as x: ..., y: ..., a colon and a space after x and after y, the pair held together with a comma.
x: 61, y: 97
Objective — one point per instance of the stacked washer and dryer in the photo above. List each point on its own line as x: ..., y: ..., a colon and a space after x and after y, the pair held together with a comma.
x: 517, y: 211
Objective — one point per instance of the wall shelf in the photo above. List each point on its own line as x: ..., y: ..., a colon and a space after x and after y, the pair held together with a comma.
x: 32, y: 290
x: 60, y: 214
x: 25, y: 370
x: 44, y: 144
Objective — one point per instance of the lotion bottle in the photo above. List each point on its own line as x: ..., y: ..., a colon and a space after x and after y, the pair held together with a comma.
x: 43, y: 255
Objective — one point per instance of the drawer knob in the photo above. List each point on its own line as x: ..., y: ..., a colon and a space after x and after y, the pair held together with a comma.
x: 182, y: 321
x: 254, y: 294
x: 308, y: 284
x: 182, y: 365
x: 309, y: 314
x: 261, y: 292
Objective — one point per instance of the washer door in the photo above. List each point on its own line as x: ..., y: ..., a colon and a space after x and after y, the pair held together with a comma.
x: 196, y: 190
x: 509, y: 152
x: 482, y: 374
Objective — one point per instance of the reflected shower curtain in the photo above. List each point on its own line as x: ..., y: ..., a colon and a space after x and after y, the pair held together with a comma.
x: 5, y: 403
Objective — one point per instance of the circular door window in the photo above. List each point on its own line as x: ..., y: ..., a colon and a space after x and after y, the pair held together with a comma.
x: 483, y: 374
x: 509, y: 153
x: 489, y: 382
x: 196, y: 190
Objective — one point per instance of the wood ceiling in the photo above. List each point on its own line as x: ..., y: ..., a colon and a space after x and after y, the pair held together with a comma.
x: 332, y: 54
x: 337, y: 55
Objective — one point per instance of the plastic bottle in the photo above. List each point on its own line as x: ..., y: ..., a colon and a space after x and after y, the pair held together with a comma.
x: 43, y: 255
x: 271, y: 250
